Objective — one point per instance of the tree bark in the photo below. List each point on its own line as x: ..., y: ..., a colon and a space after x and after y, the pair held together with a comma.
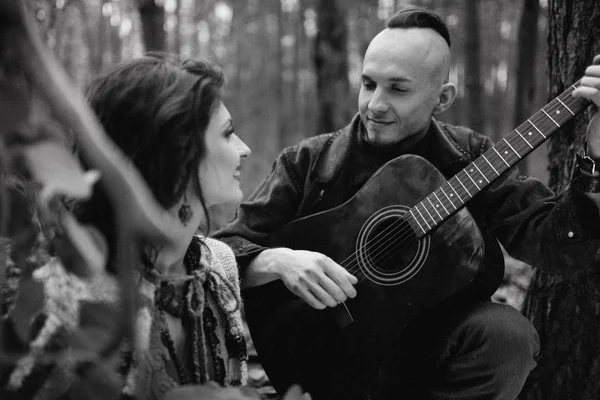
x: 95, y: 36
x: 331, y: 63
x: 473, y: 86
x: 114, y: 40
x: 282, y: 125
x: 565, y: 310
x: 296, y: 94
x: 152, y: 17
x: 177, y: 29
x: 527, y: 41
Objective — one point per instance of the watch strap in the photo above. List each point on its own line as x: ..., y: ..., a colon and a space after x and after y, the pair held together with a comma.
x: 584, y: 176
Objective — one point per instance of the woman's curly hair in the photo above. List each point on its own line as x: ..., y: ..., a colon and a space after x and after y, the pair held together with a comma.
x: 156, y: 110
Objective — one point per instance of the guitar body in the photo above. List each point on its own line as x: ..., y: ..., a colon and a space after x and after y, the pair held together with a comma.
x: 333, y: 360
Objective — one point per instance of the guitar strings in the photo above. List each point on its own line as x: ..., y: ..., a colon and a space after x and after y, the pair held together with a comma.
x: 396, y: 230
x: 386, y: 250
x: 521, y: 147
x: 392, y: 246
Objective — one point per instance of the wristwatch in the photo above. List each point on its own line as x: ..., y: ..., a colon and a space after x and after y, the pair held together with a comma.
x: 587, y: 173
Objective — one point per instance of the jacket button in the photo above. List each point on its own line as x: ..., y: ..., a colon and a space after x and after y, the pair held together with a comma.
x: 570, y: 234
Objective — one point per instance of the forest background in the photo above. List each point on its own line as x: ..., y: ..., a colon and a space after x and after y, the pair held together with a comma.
x: 293, y: 71
x: 293, y: 66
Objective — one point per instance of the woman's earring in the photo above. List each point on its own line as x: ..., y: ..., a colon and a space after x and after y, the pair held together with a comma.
x: 185, y: 212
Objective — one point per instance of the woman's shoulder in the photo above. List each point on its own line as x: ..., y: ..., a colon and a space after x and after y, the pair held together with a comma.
x: 221, y: 256
x: 217, y: 246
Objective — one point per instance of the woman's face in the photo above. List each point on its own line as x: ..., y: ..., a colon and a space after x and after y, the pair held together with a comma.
x: 221, y: 166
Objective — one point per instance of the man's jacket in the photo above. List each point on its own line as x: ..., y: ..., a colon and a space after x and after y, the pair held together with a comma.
x: 557, y: 233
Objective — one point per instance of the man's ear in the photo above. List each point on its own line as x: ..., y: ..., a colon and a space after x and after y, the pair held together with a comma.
x: 447, y: 96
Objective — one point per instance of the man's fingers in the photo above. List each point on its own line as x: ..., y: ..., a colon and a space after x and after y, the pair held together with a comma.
x: 334, y: 289
x: 353, y: 279
x: 592, y: 71
x: 310, y: 299
x: 314, y: 295
x: 342, y: 278
x: 317, y: 279
x: 590, y: 93
x: 591, y: 80
x: 345, y: 282
x: 322, y: 295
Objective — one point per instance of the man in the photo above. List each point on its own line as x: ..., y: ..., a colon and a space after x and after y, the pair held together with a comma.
x: 465, y: 347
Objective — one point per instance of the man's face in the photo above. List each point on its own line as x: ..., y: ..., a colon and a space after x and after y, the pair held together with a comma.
x: 403, y: 74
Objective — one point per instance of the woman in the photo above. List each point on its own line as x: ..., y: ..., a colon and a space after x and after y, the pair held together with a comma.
x: 170, y: 120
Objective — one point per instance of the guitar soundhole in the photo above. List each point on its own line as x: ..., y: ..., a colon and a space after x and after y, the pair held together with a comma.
x: 387, y: 249
x: 391, y: 245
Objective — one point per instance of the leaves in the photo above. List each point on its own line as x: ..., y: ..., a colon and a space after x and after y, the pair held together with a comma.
x: 59, y: 172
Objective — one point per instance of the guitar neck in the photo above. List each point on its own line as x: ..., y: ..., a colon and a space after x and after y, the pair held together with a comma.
x: 451, y: 196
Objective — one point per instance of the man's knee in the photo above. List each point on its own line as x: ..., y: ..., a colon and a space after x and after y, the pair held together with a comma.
x: 502, y: 333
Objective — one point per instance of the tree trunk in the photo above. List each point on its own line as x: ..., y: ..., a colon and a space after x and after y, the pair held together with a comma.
x: 526, y: 65
x: 178, y: 28
x: 95, y: 39
x: 282, y: 125
x: 565, y: 310
x: 473, y: 86
x: 116, y: 45
x: 296, y: 94
x: 152, y: 16
x: 331, y: 63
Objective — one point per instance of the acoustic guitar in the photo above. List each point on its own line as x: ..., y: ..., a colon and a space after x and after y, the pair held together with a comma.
x: 408, y: 237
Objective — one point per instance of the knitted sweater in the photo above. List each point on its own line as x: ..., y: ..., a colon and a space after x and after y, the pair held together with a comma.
x: 221, y: 342
x: 150, y: 374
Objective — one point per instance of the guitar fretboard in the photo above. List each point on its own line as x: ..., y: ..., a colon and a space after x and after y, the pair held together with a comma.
x: 451, y: 196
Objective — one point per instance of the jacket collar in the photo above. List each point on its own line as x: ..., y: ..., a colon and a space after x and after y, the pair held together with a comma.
x: 334, y: 153
x: 336, y: 150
